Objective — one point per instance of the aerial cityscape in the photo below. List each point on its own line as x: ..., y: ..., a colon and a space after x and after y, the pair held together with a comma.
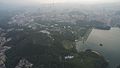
x: 59, y: 34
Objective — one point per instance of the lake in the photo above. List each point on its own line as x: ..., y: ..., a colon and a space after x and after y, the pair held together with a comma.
x: 111, y: 44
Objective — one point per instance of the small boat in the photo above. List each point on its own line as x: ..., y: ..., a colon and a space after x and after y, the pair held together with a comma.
x: 101, y: 44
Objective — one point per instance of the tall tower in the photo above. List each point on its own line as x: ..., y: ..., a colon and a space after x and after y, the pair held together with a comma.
x: 52, y: 3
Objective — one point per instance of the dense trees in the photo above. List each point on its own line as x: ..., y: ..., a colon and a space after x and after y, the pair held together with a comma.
x: 49, y: 50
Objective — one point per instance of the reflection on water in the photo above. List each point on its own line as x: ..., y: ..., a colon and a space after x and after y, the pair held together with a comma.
x: 110, y: 39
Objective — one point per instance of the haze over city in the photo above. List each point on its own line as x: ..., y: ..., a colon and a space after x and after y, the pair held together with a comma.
x: 59, y: 34
x: 57, y: 1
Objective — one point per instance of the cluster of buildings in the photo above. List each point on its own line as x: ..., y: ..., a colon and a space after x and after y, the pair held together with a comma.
x: 70, y: 16
x: 3, y: 40
x: 23, y: 63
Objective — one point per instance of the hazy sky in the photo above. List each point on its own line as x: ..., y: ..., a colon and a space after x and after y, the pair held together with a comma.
x: 57, y: 1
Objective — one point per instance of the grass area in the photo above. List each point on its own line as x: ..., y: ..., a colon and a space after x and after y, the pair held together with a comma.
x: 68, y: 44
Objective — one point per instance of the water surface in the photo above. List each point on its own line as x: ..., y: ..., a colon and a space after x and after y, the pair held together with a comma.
x: 111, y: 44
